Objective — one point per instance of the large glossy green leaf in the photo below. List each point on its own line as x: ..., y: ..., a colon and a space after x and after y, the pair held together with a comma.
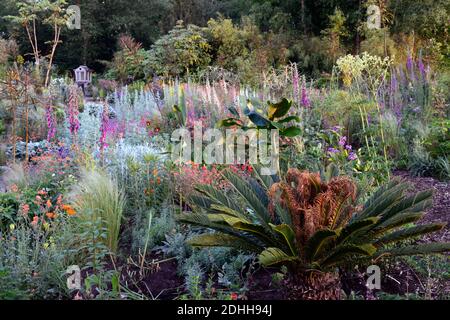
x: 291, y: 132
x: 289, y: 119
x: 259, y: 120
x: 279, y: 110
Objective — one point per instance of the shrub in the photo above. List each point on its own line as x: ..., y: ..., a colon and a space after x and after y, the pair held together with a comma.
x: 183, y: 51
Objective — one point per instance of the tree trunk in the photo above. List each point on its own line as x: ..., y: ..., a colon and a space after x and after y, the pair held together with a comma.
x: 314, y: 285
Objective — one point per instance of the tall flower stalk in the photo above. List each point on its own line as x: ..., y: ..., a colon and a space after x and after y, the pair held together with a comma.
x: 74, y: 123
x: 51, y: 120
x: 104, y: 128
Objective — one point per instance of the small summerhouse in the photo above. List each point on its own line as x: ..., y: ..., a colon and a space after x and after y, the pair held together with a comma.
x: 83, y: 76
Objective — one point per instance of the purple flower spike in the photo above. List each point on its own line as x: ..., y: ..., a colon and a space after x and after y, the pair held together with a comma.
x: 333, y: 150
x: 348, y: 147
x: 342, y: 141
x: 352, y: 156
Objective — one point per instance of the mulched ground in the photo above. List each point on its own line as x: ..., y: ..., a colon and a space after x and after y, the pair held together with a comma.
x: 440, y: 211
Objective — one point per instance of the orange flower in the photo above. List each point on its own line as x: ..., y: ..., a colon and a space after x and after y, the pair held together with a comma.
x: 35, y: 221
x: 68, y: 209
x: 49, y: 203
x: 51, y: 215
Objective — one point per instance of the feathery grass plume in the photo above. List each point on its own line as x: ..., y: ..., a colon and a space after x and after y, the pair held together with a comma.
x: 97, y: 195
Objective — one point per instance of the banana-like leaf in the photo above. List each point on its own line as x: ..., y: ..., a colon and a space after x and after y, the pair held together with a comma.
x: 278, y: 110
x: 222, y: 240
x: 272, y: 256
x: 291, y: 132
x: 317, y: 241
x: 341, y: 253
x: 421, y: 249
x: 410, y: 233
x: 288, y: 235
x: 259, y: 120
x: 289, y: 119
x: 245, y: 190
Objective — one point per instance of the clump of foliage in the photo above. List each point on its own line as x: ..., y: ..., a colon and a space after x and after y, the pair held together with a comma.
x: 184, y: 50
x: 98, y: 198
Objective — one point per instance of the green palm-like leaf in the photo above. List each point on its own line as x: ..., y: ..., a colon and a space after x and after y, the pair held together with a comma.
x: 257, y: 230
x: 421, y: 249
x: 222, y: 240
x: 288, y: 235
x: 253, y: 199
x: 341, y: 253
x: 387, y: 199
x: 217, y: 196
x: 355, y: 227
x: 317, y: 241
x: 416, y: 203
x: 272, y: 256
x: 398, y: 221
x: 410, y: 233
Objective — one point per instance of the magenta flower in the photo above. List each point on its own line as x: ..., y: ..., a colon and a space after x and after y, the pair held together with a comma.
x: 104, y: 127
x: 51, y: 121
x: 295, y: 84
x: 305, y: 100
x: 342, y: 141
x: 74, y: 123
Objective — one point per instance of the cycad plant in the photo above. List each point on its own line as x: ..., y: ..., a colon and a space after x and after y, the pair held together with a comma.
x: 312, y: 225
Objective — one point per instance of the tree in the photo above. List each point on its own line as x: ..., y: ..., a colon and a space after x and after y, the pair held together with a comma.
x: 49, y: 12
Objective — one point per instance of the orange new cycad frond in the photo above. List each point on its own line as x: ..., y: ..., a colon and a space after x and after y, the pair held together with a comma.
x: 313, y: 204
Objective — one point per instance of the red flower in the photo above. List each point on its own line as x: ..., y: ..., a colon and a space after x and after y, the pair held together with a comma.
x: 233, y: 296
